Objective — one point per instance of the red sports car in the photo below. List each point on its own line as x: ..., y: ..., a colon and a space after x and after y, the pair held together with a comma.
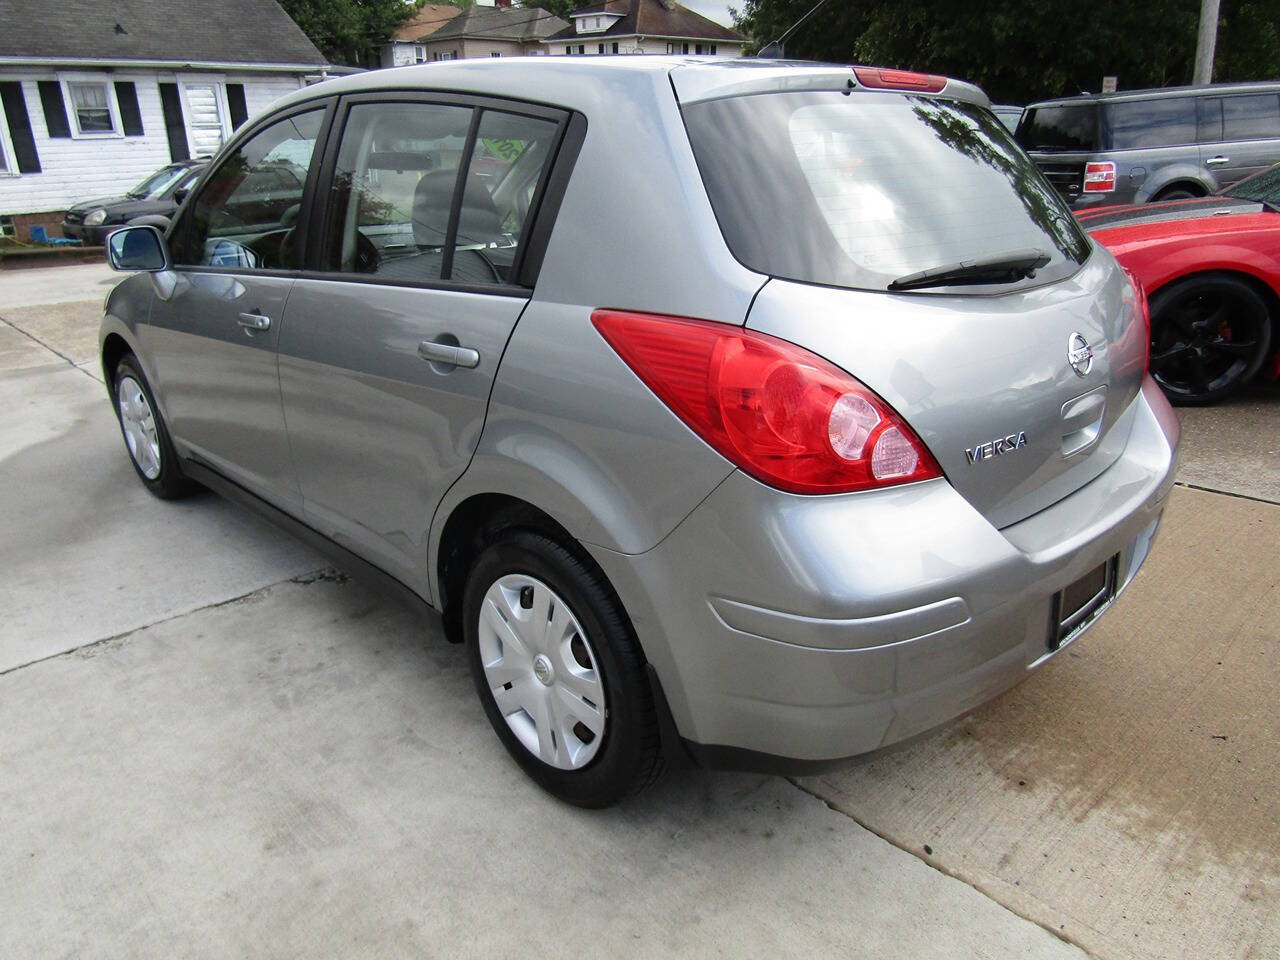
x: 1211, y: 269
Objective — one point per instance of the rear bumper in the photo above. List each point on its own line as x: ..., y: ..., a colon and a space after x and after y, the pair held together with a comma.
x: 790, y: 632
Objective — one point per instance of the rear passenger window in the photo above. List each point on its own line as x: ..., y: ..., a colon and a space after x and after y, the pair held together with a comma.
x: 393, y: 189
x: 510, y: 154
x: 1162, y: 122
x: 1251, y: 117
x: 394, y: 213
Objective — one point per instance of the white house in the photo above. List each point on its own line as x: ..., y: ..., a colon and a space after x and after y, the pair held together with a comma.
x: 95, y: 95
x: 407, y: 45
x: 643, y: 26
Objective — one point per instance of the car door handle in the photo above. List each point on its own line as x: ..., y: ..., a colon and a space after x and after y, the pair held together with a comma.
x: 254, y: 321
x: 1217, y: 161
x: 448, y: 353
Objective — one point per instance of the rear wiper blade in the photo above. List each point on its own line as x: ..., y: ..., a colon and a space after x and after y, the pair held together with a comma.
x: 1002, y: 268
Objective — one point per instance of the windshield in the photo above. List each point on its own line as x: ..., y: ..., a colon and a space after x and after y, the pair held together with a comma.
x: 858, y: 190
x: 1068, y: 127
x: 1263, y: 187
x: 155, y: 184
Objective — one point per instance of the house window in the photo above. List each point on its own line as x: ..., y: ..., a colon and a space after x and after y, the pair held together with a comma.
x: 7, y: 165
x: 615, y: 47
x: 713, y: 50
x: 601, y: 48
x: 581, y: 49
x: 698, y: 50
x: 92, y: 106
x: 420, y: 54
x: 568, y: 51
x: 494, y: 53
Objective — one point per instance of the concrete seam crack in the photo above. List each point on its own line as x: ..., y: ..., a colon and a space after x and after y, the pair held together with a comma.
x: 944, y: 870
x: 57, y: 353
x: 1225, y: 493
x: 147, y: 626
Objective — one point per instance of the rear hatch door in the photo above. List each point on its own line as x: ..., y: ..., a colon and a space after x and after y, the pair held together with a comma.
x: 1017, y: 382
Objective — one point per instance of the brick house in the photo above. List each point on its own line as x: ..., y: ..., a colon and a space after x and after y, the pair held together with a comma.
x: 95, y: 96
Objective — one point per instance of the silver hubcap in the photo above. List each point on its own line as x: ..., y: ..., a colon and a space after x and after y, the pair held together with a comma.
x: 542, y: 671
x: 139, y: 425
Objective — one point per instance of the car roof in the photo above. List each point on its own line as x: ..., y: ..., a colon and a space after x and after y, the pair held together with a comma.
x: 555, y: 78
x: 1160, y: 93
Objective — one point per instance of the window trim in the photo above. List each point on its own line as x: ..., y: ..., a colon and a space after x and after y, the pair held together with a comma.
x: 181, y: 224
x: 113, y: 108
x: 543, y: 208
x: 7, y: 153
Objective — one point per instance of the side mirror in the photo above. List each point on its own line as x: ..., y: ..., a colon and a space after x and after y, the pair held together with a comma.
x: 137, y: 248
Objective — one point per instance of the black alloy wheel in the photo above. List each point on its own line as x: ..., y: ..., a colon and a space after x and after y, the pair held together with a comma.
x: 1209, y: 335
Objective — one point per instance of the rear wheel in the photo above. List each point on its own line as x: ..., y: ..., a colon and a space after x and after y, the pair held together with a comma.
x: 1209, y: 336
x: 1177, y: 193
x: 145, y: 436
x: 559, y: 671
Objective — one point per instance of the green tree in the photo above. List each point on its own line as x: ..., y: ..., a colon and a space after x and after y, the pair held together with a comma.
x: 561, y: 8
x: 348, y: 31
x: 1020, y: 50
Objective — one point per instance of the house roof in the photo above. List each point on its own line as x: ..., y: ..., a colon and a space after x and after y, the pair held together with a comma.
x: 429, y: 18
x: 651, y: 18
x: 226, y: 31
x: 500, y: 23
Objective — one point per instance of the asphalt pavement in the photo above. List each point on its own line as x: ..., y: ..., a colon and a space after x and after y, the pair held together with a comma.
x: 216, y: 746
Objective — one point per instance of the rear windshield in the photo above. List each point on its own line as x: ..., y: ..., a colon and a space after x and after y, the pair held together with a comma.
x: 1070, y: 127
x: 857, y: 190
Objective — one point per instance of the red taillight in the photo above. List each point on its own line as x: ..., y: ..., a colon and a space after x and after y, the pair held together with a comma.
x: 1099, y: 177
x: 788, y: 418
x: 1144, y: 313
x: 882, y: 79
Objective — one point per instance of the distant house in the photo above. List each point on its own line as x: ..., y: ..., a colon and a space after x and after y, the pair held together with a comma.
x: 493, y: 31
x: 95, y: 95
x: 643, y: 26
x: 407, y: 45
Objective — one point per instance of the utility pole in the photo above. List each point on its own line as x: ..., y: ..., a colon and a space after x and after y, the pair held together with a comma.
x: 1206, y: 40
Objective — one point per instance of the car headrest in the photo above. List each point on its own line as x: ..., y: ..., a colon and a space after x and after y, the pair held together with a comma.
x: 479, y: 221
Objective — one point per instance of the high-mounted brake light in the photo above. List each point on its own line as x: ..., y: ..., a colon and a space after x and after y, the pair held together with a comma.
x: 1099, y: 177
x: 785, y: 416
x: 881, y: 79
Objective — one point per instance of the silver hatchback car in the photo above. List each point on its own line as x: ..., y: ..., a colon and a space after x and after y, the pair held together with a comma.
x: 760, y: 414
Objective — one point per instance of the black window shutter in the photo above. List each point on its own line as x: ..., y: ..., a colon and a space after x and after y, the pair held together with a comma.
x: 236, y: 104
x: 15, y: 110
x: 130, y: 115
x: 55, y: 110
x: 173, y: 125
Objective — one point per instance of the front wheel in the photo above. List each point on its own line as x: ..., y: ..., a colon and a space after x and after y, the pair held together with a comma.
x: 1209, y: 336
x: 559, y: 671
x: 145, y: 437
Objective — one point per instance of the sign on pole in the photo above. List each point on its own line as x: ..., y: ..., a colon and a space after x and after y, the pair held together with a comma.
x: 1108, y: 84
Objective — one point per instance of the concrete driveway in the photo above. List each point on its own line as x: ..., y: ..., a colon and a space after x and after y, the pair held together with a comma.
x: 214, y: 746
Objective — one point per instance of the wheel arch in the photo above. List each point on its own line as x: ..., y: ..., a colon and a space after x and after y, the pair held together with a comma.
x: 1182, y: 183
x: 471, y: 524
x: 1257, y: 281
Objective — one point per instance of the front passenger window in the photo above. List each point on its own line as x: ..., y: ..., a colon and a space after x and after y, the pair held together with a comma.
x: 246, y: 214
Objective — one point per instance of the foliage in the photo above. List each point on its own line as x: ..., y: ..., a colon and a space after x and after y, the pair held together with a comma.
x: 561, y: 8
x: 1022, y: 50
x: 348, y: 31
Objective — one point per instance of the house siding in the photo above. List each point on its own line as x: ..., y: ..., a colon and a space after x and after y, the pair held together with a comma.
x: 77, y: 169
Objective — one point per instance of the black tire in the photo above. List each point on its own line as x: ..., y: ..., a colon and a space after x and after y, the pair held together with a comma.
x: 169, y: 484
x: 1176, y: 193
x: 629, y: 756
x: 1210, y: 334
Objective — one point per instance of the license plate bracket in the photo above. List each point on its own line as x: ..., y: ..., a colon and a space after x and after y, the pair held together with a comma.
x: 1079, y: 603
